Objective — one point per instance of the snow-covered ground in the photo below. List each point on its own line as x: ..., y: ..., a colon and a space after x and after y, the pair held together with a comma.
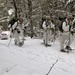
x: 33, y: 58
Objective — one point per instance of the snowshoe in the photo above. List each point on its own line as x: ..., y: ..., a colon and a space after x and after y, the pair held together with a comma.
x: 15, y: 43
x: 20, y: 44
x: 47, y: 45
x: 68, y: 48
x: 63, y: 50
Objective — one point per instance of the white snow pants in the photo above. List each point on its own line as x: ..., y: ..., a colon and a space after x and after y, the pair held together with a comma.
x: 51, y: 34
x: 21, y: 34
x: 16, y: 36
x: 65, y: 39
x: 46, y: 36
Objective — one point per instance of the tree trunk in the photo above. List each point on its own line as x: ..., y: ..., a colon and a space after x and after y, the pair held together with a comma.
x: 14, y: 2
x: 30, y: 16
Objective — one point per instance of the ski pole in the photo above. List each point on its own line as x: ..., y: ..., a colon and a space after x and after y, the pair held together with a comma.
x: 46, y: 38
x: 66, y: 42
x: 9, y: 42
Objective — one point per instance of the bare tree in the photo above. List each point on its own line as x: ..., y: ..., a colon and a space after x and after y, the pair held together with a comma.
x: 30, y: 16
x: 14, y: 2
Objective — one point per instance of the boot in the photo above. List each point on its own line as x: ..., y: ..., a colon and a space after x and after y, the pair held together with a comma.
x: 68, y: 47
x: 47, y: 45
x: 16, y: 43
x: 20, y: 44
x: 62, y: 50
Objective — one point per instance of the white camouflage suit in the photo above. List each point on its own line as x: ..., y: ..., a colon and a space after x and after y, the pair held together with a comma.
x: 65, y: 36
x: 18, y: 32
x: 52, y: 34
x: 47, y: 32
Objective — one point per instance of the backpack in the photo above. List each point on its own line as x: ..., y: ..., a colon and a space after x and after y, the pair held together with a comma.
x: 61, y: 19
x: 73, y: 24
x: 60, y: 27
x: 12, y: 21
x: 41, y: 23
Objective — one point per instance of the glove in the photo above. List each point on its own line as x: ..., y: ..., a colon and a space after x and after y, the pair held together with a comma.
x: 18, y: 31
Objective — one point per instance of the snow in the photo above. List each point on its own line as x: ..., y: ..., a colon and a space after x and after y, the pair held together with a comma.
x: 33, y: 58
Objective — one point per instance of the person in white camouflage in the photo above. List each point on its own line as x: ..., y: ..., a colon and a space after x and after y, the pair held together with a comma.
x: 17, y: 30
x: 47, y: 24
x: 65, y: 35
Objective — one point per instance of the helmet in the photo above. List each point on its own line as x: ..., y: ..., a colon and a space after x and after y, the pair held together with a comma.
x: 44, y: 17
x: 69, y: 16
x: 48, y: 17
x: 21, y: 20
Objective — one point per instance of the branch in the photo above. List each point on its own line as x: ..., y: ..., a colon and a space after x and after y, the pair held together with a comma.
x: 51, y: 67
x: 9, y: 69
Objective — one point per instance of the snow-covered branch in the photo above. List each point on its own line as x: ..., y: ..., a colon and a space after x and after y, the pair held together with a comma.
x: 69, y: 1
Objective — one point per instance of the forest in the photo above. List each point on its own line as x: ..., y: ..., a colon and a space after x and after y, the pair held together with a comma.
x: 32, y: 11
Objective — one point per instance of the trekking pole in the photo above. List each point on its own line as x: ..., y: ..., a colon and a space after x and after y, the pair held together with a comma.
x: 69, y: 33
x: 69, y: 38
x: 46, y: 38
x: 54, y: 35
x: 66, y: 42
x: 9, y: 42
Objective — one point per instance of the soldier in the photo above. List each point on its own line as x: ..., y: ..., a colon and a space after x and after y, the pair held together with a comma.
x: 65, y: 29
x: 22, y: 28
x: 52, y: 32
x: 46, y: 30
x: 17, y: 30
